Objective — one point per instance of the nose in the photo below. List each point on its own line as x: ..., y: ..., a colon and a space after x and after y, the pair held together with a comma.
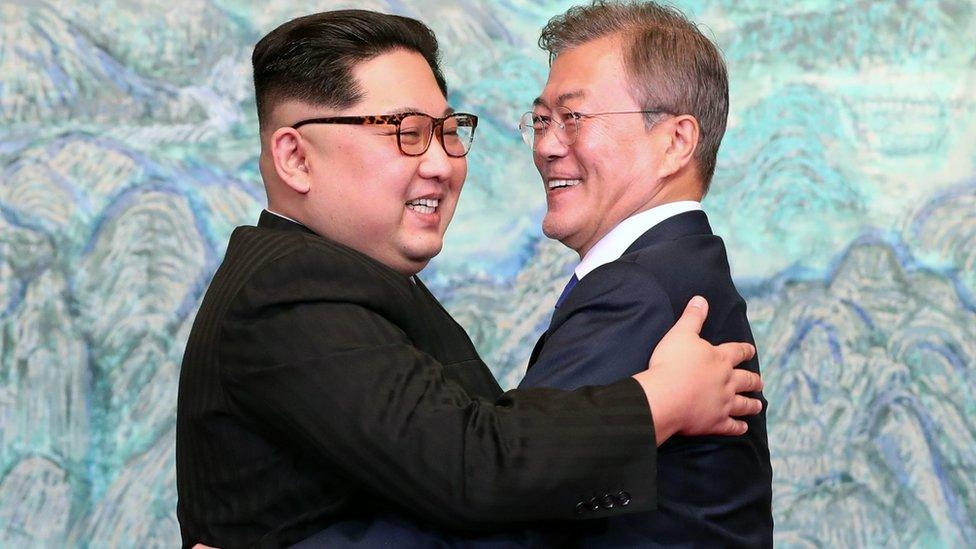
x: 549, y: 147
x: 435, y: 163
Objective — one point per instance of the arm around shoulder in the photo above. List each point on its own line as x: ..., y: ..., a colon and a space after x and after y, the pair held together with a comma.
x: 319, y: 364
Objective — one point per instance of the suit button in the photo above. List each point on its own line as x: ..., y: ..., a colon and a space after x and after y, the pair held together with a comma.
x: 623, y: 498
x: 581, y: 507
x: 607, y: 502
x: 594, y: 504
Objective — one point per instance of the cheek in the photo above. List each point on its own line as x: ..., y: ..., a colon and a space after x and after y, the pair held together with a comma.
x: 538, y: 161
x: 461, y: 173
x: 594, y: 150
x: 345, y: 172
x: 453, y: 186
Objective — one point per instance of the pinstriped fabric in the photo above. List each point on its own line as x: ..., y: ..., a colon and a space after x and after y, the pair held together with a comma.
x: 319, y: 385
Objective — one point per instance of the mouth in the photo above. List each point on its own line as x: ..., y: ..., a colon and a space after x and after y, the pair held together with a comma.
x: 552, y: 184
x: 424, y: 205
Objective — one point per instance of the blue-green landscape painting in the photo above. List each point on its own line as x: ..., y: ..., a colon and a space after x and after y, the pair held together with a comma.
x: 845, y: 191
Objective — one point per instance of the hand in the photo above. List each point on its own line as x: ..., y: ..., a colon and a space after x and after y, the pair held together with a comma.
x: 692, y: 386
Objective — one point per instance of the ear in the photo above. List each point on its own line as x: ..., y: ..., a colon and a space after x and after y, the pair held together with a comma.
x: 682, y: 139
x: 288, y: 151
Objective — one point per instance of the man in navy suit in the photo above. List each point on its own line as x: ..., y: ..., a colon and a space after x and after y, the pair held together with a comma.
x: 625, y: 136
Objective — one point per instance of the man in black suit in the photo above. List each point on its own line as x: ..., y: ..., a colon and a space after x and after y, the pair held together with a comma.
x: 625, y: 135
x: 323, y: 386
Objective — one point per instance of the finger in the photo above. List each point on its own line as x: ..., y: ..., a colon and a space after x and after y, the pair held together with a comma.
x: 736, y: 352
x: 744, y: 381
x: 733, y: 427
x: 694, y: 315
x: 745, y: 406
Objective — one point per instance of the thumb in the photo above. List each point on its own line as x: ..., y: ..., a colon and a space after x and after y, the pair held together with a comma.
x: 694, y: 316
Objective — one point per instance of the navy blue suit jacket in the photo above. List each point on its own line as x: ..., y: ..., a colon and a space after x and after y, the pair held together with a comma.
x: 712, y: 491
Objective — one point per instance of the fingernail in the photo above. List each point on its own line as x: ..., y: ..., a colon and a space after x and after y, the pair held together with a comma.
x: 697, y: 302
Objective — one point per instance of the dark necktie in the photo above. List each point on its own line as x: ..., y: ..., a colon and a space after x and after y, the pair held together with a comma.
x: 569, y: 287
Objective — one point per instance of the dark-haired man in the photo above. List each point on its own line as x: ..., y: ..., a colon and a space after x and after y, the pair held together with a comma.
x: 625, y: 135
x: 323, y: 385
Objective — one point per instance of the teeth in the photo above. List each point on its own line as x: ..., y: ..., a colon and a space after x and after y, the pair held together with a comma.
x: 431, y: 202
x: 558, y: 183
x: 424, y: 205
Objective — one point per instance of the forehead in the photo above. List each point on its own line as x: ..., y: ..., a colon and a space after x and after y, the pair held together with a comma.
x: 396, y: 81
x: 592, y: 72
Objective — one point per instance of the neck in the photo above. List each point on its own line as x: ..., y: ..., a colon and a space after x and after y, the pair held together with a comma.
x: 284, y: 209
x: 675, y: 191
x: 681, y: 187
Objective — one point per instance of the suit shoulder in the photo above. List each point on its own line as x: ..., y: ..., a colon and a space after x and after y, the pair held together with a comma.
x: 293, y: 266
x: 695, y: 257
x: 260, y: 245
x: 622, y: 281
x: 623, y: 271
x: 698, y: 245
x: 319, y: 256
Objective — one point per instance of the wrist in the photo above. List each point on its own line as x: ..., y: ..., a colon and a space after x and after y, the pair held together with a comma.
x: 663, y: 412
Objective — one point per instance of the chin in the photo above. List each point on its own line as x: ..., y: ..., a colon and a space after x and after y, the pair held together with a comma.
x: 551, y: 229
x: 423, y: 254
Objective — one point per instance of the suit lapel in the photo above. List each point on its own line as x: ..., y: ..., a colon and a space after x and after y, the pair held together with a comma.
x: 681, y: 225
x: 537, y: 349
x: 450, y: 337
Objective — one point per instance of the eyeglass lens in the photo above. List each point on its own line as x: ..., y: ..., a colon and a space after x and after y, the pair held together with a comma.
x: 456, y: 133
x: 533, y: 127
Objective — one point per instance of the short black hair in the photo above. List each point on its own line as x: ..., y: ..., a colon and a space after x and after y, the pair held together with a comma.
x: 311, y: 58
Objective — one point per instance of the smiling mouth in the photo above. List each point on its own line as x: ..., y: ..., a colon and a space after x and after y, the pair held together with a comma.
x: 424, y: 205
x: 562, y: 183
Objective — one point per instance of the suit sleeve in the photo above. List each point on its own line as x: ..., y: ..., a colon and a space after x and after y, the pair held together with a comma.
x: 605, y: 331
x: 316, y: 360
x: 608, y: 328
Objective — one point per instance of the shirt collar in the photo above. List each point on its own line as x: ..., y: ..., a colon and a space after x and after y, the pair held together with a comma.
x: 283, y: 217
x: 615, y: 243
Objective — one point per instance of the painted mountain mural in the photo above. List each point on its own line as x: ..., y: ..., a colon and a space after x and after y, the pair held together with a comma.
x: 845, y: 191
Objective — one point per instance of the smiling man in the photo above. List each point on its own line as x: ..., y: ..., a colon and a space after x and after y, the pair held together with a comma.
x: 323, y: 386
x: 625, y: 135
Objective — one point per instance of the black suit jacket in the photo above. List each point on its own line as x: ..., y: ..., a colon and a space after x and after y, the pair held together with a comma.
x: 320, y: 386
x: 712, y: 491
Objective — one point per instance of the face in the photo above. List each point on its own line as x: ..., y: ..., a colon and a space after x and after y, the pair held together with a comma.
x: 609, y: 173
x: 364, y: 192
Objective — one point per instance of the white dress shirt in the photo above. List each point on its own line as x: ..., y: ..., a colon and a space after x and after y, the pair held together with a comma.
x: 615, y: 243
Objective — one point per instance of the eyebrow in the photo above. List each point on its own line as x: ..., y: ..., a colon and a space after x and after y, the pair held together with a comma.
x: 575, y: 94
x: 403, y: 110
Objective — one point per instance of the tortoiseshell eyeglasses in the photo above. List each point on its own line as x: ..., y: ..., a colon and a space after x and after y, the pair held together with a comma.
x: 414, y: 130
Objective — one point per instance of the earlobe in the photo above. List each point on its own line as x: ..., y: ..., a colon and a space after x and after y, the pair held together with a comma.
x: 288, y: 150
